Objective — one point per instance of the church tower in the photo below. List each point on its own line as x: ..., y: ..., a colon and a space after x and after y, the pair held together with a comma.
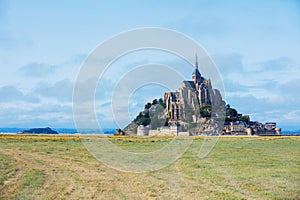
x: 196, y: 76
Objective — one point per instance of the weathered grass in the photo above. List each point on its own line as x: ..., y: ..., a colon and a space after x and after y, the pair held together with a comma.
x: 7, y: 168
x: 31, y: 184
x: 59, y: 167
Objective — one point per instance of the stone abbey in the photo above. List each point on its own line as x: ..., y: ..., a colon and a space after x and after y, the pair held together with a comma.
x: 192, y: 95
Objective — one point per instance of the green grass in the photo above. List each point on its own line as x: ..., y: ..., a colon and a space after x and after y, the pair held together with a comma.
x: 60, y: 167
x: 141, y: 145
x: 31, y: 184
x: 7, y: 168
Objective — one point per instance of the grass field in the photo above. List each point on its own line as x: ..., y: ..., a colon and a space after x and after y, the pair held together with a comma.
x: 59, y: 167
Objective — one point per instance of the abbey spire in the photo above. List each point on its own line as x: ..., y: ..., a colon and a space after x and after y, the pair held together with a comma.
x: 196, y: 76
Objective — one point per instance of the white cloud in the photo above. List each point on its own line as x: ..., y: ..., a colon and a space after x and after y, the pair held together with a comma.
x: 12, y: 94
x: 279, y: 64
x: 61, y: 90
x: 37, y: 70
x: 36, y: 115
x: 229, y: 63
x: 292, y: 116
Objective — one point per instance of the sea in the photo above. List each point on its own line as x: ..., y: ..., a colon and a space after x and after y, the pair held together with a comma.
x: 107, y: 131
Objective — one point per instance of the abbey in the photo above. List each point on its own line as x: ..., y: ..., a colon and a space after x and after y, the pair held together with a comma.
x: 191, y: 96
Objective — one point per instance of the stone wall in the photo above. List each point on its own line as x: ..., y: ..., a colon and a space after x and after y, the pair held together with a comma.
x: 143, y: 130
x: 164, y: 131
x: 183, y: 134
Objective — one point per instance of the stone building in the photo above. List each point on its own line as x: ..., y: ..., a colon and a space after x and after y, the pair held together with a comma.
x: 172, y: 130
x: 191, y: 96
x: 143, y: 130
x: 253, y: 128
x: 235, y: 128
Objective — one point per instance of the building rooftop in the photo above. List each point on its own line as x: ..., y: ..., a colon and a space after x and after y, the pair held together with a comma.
x: 196, y: 71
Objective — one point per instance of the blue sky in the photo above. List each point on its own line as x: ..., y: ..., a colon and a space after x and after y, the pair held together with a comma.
x: 255, y: 45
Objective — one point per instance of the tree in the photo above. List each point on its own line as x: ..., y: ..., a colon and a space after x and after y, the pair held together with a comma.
x: 154, y: 102
x: 162, y: 103
x: 205, y: 111
x: 157, y: 120
x: 244, y: 118
x: 231, y: 112
x: 144, y: 117
x: 148, y: 105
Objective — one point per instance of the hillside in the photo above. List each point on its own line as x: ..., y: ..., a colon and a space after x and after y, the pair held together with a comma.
x: 160, y: 118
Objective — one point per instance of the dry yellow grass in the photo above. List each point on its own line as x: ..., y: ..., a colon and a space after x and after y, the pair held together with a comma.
x: 59, y: 167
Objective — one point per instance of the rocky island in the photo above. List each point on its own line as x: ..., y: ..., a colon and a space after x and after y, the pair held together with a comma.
x: 46, y: 130
x: 196, y: 108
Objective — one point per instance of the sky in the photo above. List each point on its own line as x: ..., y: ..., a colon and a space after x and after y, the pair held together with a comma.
x: 254, y: 44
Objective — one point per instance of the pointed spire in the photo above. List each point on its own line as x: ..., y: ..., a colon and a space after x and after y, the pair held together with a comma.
x: 196, y: 71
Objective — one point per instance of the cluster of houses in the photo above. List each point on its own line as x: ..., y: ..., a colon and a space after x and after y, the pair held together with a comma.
x: 230, y: 128
x: 253, y: 128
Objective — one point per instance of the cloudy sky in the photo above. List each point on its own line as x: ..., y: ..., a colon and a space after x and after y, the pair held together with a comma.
x: 255, y: 45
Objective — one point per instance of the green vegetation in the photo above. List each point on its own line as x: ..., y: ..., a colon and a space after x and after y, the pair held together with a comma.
x: 231, y: 112
x: 156, y: 119
x: 31, y: 184
x: 59, y: 167
x: 144, y: 118
x: 155, y: 102
x: 148, y: 105
x: 7, y: 168
x: 205, y: 111
x: 232, y: 115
